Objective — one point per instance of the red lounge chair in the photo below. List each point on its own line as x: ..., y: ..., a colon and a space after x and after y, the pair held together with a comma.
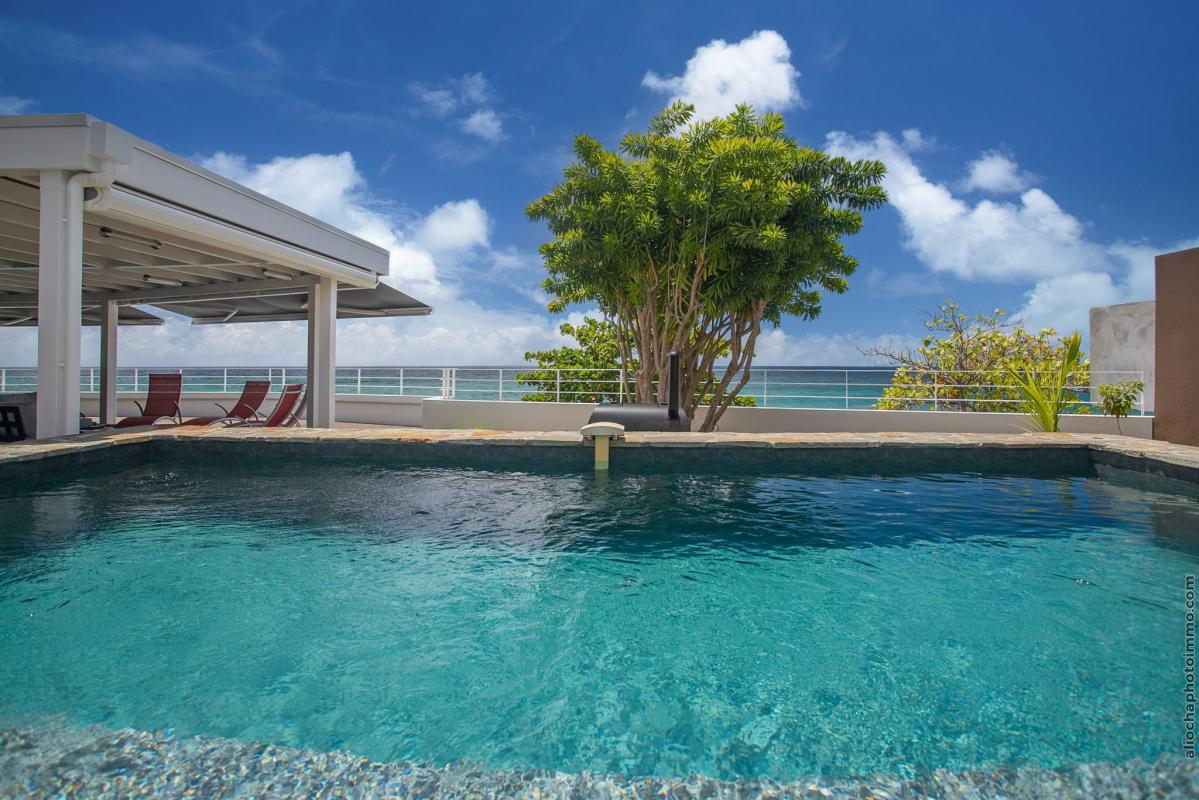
x: 288, y: 410
x: 244, y: 410
x: 162, y: 401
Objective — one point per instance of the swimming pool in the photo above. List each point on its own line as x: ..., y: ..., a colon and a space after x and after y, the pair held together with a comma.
x: 736, y: 623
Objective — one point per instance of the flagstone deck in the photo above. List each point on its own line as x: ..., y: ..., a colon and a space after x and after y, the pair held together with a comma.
x: 1172, y: 460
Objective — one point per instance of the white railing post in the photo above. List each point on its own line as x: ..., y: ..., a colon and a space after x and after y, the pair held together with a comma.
x: 360, y: 380
x: 936, y: 389
x: 135, y: 370
x: 846, y: 390
x: 445, y: 382
x: 225, y: 380
x: 501, y: 384
x: 3, y: 379
x: 401, y: 380
x: 558, y: 385
x: 270, y: 377
x: 623, y: 379
x: 765, y: 387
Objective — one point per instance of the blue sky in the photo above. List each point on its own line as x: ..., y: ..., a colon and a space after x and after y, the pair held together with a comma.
x: 1039, y: 153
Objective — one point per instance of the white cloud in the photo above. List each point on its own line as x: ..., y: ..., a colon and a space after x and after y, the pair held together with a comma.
x: 454, y: 228
x: 995, y: 172
x: 778, y: 348
x: 988, y: 240
x: 469, y: 98
x: 440, y: 101
x: 427, y: 254
x: 486, y: 124
x: 1064, y: 302
x: 472, y: 89
x: 1032, y: 241
x: 14, y: 105
x: 755, y: 70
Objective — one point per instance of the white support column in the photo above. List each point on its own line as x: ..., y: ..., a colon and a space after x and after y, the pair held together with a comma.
x: 322, y: 349
x: 108, y: 362
x: 60, y: 296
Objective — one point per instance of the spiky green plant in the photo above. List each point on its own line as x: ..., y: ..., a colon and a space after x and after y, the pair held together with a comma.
x: 1044, y: 396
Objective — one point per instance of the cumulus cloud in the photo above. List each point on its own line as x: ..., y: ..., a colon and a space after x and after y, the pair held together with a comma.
x: 987, y: 240
x: 1029, y: 240
x: 431, y: 254
x: 995, y: 172
x: 486, y: 124
x: 454, y: 228
x: 755, y: 70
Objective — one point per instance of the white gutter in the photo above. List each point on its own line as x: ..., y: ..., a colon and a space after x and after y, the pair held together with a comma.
x: 118, y: 201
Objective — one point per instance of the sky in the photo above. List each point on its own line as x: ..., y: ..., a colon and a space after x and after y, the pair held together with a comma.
x: 1039, y: 154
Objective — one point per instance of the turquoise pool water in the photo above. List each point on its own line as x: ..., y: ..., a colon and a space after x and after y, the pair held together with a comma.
x: 727, y: 624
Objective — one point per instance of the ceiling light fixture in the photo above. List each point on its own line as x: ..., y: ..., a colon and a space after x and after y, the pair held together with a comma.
x: 161, y: 281
x: 270, y: 273
x: 145, y: 241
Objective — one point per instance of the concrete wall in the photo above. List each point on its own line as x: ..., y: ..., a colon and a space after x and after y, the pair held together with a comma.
x: 1177, y: 357
x: 436, y: 412
x: 518, y: 416
x: 1122, y: 340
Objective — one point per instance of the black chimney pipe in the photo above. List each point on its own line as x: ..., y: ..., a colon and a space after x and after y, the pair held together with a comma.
x: 675, y: 386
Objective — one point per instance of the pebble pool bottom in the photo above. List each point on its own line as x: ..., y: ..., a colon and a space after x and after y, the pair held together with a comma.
x: 729, y: 624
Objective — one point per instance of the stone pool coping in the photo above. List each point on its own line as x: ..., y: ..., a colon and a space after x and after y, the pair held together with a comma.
x: 1142, y: 455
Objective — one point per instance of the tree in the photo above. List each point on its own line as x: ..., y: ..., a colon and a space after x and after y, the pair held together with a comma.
x: 965, y: 362
x: 591, y: 370
x: 588, y: 373
x: 694, y: 235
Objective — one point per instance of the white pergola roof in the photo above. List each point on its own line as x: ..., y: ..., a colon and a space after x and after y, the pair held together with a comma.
x: 167, y: 223
x: 94, y: 221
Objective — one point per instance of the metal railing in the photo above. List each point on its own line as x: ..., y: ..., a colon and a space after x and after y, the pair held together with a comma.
x: 770, y: 387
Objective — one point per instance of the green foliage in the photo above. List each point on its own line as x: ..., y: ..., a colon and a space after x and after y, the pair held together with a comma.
x: 593, y: 368
x: 590, y: 371
x: 966, y: 361
x: 1120, y: 398
x: 1044, y: 397
x: 694, y: 234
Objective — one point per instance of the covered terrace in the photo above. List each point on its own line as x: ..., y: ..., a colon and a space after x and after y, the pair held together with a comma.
x: 96, y: 225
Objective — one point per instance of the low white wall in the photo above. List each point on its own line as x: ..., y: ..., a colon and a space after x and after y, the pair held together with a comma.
x: 504, y: 415
x: 379, y: 410
x: 436, y: 412
x: 520, y: 416
x: 373, y: 409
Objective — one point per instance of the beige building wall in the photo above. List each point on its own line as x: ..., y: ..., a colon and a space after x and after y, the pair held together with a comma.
x: 1177, y: 358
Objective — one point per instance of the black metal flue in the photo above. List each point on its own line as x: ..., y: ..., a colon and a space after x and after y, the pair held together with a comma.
x: 650, y: 416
